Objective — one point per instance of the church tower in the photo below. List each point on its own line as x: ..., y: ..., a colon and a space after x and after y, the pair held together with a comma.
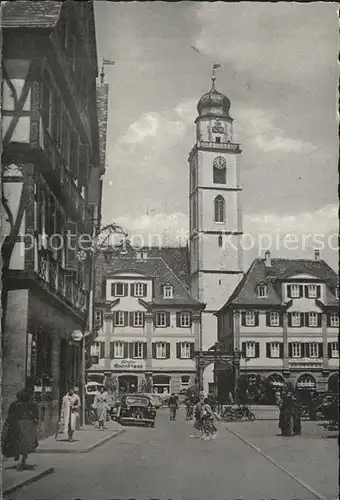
x: 215, y: 209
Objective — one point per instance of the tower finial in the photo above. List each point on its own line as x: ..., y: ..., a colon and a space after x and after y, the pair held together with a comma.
x: 102, y: 74
x: 213, y: 75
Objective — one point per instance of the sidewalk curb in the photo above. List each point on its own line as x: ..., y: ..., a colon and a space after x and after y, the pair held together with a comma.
x: 270, y: 459
x: 27, y: 481
x: 51, y: 451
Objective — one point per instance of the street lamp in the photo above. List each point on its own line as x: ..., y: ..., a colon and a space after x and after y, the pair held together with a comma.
x: 217, y: 353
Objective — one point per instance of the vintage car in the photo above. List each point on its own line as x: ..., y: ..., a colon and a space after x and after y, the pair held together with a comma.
x: 135, y: 409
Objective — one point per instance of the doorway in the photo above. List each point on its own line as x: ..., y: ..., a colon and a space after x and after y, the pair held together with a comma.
x: 128, y: 384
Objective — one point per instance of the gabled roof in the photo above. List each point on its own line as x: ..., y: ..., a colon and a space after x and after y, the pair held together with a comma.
x: 279, y: 271
x: 155, y: 268
x: 177, y: 258
x: 30, y: 14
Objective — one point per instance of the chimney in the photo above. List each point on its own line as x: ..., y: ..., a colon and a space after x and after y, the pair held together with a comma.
x: 316, y: 254
x: 267, y: 259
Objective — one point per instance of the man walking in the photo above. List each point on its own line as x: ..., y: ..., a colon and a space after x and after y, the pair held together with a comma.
x: 173, y: 403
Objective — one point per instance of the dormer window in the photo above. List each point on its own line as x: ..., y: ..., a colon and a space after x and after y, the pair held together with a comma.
x: 294, y: 291
x: 262, y: 291
x: 313, y: 291
x: 168, y: 292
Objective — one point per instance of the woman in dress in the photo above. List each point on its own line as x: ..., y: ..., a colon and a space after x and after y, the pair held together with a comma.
x: 100, y: 404
x: 20, y: 429
x: 209, y: 427
x: 69, y: 413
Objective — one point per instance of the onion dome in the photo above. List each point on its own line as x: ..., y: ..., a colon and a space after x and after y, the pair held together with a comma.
x: 213, y: 103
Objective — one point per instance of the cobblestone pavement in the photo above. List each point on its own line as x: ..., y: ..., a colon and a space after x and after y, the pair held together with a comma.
x: 164, y: 463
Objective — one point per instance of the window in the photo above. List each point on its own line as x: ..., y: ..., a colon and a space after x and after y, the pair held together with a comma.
x: 296, y: 319
x: 117, y: 289
x: 274, y: 319
x: 295, y: 291
x: 185, y: 350
x: 119, y: 318
x: 168, y: 292
x: 262, y: 291
x: 138, y: 350
x: 334, y: 319
x: 313, y: 350
x: 218, y: 140
x: 250, y: 349
x: 312, y: 319
x: 98, y: 318
x: 185, y: 381
x: 337, y: 292
x: 161, y: 350
x: 334, y: 349
x: 220, y: 241
x: 138, y: 318
x: 275, y: 350
x: 312, y: 291
x: 296, y: 350
x: 118, y: 349
x: 139, y: 290
x: 161, y: 319
x: 219, y: 209
x: 250, y: 318
x: 95, y: 349
x: 185, y: 319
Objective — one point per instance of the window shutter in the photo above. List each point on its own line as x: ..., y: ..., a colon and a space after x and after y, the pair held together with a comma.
x: 289, y: 291
x: 132, y: 289
x: 329, y: 350
x: 281, y: 350
x: 167, y: 319
x: 257, y: 349
x: 113, y: 289
x: 167, y: 350
x: 154, y: 350
x: 178, y: 319
x: 319, y: 320
x: 143, y: 320
x: 126, y: 349
x: 328, y: 319
x: 244, y: 350
x: 192, y: 350
x: 306, y: 292
x: 145, y: 290
x: 305, y: 317
x: 256, y: 318
x: 126, y: 289
x: 145, y: 350
x: 289, y: 319
x: 290, y: 350
x: 267, y: 320
x: 178, y: 350
x: 320, y: 349
x: 102, y: 350
x: 304, y: 350
x: 71, y: 250
x: 112, y: 350
x: 301, y: 290
x: 190, y: 320
x: 302, y: 319
x: 131, y: 350
x: 131, y: 319
x: 318, y: 291
x: 243, y: 318
x: 280, y: 318
x: 126, y: 318
x: 268, y: 349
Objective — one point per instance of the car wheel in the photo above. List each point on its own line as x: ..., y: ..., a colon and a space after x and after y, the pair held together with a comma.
x: 152, y: 425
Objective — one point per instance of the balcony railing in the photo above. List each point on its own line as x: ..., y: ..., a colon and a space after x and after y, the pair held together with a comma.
x: 305, y: 362
x: 228, y: 146
x: 59, y: 281
x: 67, y: 183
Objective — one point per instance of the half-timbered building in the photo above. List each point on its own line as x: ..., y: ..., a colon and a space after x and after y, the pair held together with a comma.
x: 51, y: 194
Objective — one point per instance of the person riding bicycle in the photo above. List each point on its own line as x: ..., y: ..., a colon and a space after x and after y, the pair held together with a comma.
x: 198, y: 414
x: 189, y: 404
x: 208, y: 418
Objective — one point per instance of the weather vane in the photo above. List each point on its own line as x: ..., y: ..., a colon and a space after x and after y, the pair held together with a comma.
x: 214, y: 68
x: 105, y: 62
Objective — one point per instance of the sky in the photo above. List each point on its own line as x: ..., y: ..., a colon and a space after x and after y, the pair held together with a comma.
x: 278, y: 68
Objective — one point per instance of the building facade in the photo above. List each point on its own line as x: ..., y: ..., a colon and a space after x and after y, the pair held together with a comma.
x: 51, y: 188
x: 214, y: 212
x: 284, y: 319
x: 148, y: 322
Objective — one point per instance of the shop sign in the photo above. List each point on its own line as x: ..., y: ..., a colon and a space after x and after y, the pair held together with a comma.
x: 128, y: 364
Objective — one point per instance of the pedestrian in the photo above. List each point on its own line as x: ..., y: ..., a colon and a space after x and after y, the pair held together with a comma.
x: 69, y: 413
x: 100, y: 404
x: 198, y: 414
x: 286, y: 414
x: 173, y: 404
x: 208, y: 416
x: 19, y: 433
x: 296, y: 416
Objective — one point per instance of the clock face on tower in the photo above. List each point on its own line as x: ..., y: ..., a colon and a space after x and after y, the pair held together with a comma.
x: 220, y: 162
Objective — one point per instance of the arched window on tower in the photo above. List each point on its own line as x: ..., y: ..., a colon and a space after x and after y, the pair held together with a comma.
x: 220, y: 240
x: 220, y: 170
x: 219, y: 209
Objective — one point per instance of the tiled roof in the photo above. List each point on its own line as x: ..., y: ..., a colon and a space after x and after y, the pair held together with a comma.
x: 280, y: 270
x: 177, y: 259
x: 30, y: 14
x: 154, y: 267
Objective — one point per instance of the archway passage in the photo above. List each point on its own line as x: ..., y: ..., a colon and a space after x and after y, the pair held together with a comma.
x: 161, y: 384
x: 276, y: 380
x: 128, y: 384
x: 306, y: 382
x: 333, y: 383
x: 224, y: 381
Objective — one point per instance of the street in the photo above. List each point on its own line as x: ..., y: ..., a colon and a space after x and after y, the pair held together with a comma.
x: 247, y: 461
